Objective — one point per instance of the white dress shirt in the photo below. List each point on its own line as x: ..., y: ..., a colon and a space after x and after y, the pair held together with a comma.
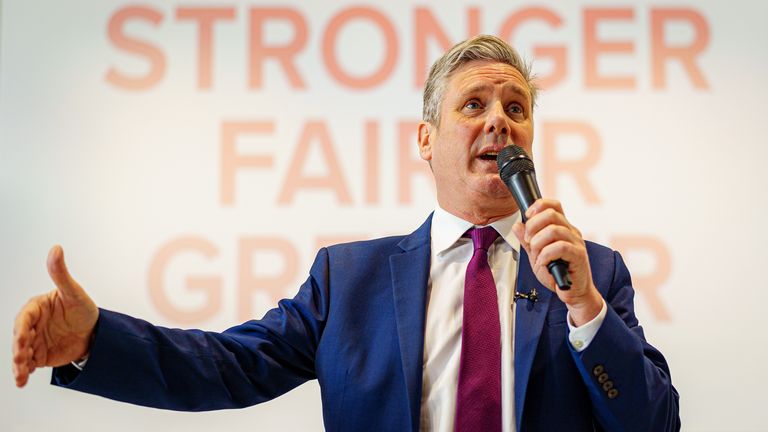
x: 450, y: 255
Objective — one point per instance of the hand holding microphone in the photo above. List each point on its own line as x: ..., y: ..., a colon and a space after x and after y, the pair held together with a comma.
x: 517, y: 173
x: 556, y: 249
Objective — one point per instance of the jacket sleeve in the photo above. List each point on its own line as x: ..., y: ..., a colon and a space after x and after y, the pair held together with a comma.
x: 134, y: 361
x: 628, y: 380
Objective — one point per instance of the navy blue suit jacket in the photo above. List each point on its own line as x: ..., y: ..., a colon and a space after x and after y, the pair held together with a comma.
x: 357, y: 326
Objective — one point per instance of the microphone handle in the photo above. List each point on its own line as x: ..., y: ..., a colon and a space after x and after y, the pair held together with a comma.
x: 559, y: 270
x: 525, y: 190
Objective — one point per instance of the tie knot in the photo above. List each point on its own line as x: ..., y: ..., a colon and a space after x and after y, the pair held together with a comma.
x: 483, y: 238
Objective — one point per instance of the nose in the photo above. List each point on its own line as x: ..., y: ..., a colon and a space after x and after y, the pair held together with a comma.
x: 497, y: 122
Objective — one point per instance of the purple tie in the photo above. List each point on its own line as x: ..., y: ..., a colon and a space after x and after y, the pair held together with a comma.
x: 478, y: 399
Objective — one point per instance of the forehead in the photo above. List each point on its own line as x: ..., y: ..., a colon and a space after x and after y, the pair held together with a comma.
x: 479, y: 75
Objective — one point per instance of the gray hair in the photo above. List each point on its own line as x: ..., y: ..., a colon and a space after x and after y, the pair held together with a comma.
x: 483, y: 48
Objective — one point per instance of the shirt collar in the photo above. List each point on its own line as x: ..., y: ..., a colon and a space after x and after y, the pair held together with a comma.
x: 448, y: 228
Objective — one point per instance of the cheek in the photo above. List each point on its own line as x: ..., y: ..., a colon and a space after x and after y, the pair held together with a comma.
x: 457, y: 143
x: 524, y: 139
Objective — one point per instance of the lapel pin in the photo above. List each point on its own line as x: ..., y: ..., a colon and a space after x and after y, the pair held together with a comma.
x: 532, y: 296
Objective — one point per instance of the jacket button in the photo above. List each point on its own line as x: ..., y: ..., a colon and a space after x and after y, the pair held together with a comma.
x: 608, y: 385
x: 613, y: 393
x: 602, y: 378
x: 598, y: 370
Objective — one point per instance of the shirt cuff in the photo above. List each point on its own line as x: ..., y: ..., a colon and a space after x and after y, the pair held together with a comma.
x: 80, y: 364
x: 580, y: 337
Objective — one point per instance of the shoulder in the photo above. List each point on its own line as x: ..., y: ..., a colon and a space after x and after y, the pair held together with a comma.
x: 597, y: 251
x: 608, y: 269
x: 353, y: 253
x: 360, y: 246
x: 384, y: 246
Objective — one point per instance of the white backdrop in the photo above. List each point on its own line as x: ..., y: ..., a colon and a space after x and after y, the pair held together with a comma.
x: 167, y: 147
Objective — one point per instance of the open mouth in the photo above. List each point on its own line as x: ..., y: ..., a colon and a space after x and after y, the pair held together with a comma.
x: 490, y: 156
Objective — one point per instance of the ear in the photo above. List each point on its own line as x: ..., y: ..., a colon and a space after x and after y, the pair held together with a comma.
x: 425, y: 136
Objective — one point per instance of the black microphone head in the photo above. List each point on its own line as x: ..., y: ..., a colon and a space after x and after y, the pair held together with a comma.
x: 512, y: 160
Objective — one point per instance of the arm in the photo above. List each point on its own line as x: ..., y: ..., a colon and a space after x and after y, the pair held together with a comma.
x: 628, y: 380
x: 134, y: 361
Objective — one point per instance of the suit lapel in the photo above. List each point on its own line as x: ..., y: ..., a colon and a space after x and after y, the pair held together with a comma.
x: 529, y: 320
x: 410, y: 275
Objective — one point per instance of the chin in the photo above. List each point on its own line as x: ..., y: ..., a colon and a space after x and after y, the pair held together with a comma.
x: 495, y: 188
x: 502, y: 194
x: 499, y: 188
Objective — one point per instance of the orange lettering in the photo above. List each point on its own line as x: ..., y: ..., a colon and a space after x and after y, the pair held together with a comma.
x: 314, y: 131
x: 231, y: 161
x: 284, y: 54
x: 552, y: 166
x: 426, y: 26
x: 648, y: 284
x: 593, y: 47
x: 153, y: 54
x: 409, y: 164
x: 271, y: 284
x: 329, y: 42
x: 557, y: 52
x: 371, y: 162
x: 211, y: 286
x: 661, y: 52
x: 205, y: 18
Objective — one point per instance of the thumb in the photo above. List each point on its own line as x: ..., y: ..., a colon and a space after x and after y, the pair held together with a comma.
x: 519, y: 230
x: 57, y: 269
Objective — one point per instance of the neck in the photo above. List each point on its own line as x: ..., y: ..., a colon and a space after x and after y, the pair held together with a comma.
x: 479, y: 215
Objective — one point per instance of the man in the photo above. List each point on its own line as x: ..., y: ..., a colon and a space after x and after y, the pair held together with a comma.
x: 411, y: 332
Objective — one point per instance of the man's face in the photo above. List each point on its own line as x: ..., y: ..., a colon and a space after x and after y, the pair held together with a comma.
x: 486, y: 106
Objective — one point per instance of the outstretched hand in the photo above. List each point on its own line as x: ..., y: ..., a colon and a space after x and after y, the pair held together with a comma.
x: 55, y: 328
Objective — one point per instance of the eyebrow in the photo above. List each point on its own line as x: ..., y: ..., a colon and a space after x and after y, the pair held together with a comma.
x: 475, y: 88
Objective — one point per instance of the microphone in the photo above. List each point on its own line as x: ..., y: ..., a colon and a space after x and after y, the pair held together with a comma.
x: 517, y: 173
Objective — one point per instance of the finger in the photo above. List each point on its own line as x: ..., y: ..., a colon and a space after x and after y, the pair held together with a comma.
x: 15, y: 367
x: 18, y: 342
x: 543, y: 219
x: 519, y: 230
x: 542, y: 204
x: 39, y: 353
x: 21, y: 375
x: 548, y: 235
x: 18, y: 358
x: 18, y: 346
x: 558, y: 250
x: 542, y: 274
x: 25, y: 321
x: 19, y: 349
x: 59, y: 273
x: 21, y: 370
x: 32, y: 365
